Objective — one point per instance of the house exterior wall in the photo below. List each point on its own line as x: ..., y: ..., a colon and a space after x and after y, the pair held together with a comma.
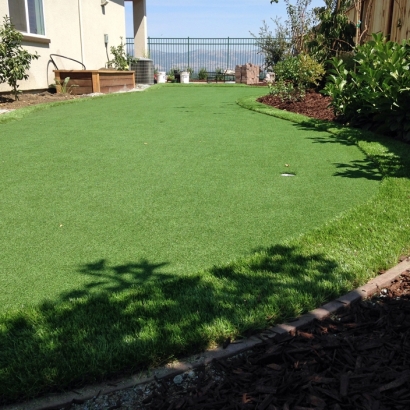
x: 75, y: 29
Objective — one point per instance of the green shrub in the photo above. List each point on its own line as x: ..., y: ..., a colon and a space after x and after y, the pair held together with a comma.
x: 376, y: 94
x: 190, y: 71
x: 287, y: 70
x: 219, y: 74
x: 202, y: 74
x: 294, y: 75
x: 302, y: 71
x: 120, y: 60
x: 285, y: 91
x: 171, y: 75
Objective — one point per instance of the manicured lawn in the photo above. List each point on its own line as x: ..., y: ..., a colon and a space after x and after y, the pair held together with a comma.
x: 125, y: 211
x: 177, y: 178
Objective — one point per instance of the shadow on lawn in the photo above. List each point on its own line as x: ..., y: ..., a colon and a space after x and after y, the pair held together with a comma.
x: 143, y: 318
x: 391, y: 161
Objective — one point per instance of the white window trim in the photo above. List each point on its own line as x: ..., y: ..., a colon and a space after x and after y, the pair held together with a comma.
x: 27, y: 35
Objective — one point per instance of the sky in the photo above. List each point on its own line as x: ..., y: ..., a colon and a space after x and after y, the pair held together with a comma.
x: 210, y: 18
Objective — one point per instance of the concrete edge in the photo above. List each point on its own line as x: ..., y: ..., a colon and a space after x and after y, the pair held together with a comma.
x: 279, y: 332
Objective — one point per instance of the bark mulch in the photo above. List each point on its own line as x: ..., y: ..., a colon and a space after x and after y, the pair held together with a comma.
x: 314, y: 105
x: 358, y: 359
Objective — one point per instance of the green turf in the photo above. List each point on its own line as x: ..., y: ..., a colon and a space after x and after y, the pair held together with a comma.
x: 180, y: 178
x: 119, y: 172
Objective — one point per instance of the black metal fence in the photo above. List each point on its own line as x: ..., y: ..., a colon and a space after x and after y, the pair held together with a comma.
x: 197, y: 53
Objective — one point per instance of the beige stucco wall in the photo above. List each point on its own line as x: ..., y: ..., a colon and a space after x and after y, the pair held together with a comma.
x: 140, y: 28
x: 62, y: 28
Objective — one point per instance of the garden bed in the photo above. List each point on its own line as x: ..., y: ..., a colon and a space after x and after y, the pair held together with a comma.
x: 95, y: 81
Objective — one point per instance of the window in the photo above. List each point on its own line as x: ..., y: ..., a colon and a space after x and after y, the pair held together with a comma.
x: 27, y: 16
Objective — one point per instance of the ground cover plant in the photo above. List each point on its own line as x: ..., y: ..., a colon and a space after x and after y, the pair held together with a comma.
x: 124, y: 293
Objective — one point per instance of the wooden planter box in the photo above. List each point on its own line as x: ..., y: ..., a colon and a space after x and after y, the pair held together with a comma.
x: 96, y: 81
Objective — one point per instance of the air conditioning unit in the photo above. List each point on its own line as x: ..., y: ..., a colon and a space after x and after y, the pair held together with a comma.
x: 144, y: 71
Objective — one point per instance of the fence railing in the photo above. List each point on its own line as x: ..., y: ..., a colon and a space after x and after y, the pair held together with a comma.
x: 197, y: 53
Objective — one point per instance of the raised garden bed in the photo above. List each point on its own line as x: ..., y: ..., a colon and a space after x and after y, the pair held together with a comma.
x: 96, y: 81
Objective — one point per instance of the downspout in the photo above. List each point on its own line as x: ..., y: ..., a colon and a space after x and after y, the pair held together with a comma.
x: 80, y: 23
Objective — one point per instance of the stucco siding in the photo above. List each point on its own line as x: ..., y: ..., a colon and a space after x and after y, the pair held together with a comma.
x: 69, y: 35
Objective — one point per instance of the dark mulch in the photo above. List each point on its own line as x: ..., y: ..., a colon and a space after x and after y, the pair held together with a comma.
x: 314, y: 105
x: 8, y: 102
x: 358, y: 359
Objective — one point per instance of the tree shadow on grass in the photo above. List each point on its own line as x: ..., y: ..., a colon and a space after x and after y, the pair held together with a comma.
x: 358, y: 169
x: 143, y: 318
x: 115, y: 278
x: 391, y: 160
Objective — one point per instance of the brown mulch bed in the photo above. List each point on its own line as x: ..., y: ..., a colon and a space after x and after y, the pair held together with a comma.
x: 8, y: 102
x: 314, y: 105
x: 358, y: 359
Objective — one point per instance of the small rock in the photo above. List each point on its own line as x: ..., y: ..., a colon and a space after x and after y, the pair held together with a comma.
x: 178, y: 379
x: 191, y: 374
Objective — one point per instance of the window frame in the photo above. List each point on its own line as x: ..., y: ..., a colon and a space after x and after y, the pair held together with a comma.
x: 28, y: 35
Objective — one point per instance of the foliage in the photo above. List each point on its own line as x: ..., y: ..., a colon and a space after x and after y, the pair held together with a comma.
x: 171, y: 74
x: 132, y: 60
x: 294, y: 75
x: 300, y: 20
x: 121, y: 60
x: 14, y: 60
x: 219, y: 74
x: 285, y: 91
x: 63, y: 86
x: 288, y: 38
x: 202, y: 74
x: 376, y: 94
x: 273, y: 46
x: 190, y: 70
x: 334, y: 34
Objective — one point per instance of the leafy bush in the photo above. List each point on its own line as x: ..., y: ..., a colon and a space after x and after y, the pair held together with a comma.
x: 285, y: 91
x: 295, y: 75
x: 302, y: 71
x: 219, y: 74
x: 287, y: 70
x: 120, y: 60
x: 14, y: 60
x: 171, y: 74
x: 202, y: 74
x: 376, y: 94
x: 190, y: 71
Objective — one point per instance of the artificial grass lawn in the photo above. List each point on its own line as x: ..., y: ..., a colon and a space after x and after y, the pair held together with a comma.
x: 236, y: 199
x: 165, y: 182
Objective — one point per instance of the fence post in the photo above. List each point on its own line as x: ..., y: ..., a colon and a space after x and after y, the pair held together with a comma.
x: 149, y: 48
x: 188, y: 52
x: 227, y: 62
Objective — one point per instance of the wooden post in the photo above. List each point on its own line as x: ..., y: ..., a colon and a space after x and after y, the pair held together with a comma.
x: 57, y: 80
x: 96, y: 81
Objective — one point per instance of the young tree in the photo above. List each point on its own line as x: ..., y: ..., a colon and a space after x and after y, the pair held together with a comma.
x: 334, y: 35
x: 14, y: 60
x: 300, y: 20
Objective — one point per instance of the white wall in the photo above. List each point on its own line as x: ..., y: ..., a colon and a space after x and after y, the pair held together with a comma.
x: 62, y: 30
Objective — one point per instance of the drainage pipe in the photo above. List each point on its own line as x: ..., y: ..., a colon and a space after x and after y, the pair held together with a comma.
x: 80, y: 23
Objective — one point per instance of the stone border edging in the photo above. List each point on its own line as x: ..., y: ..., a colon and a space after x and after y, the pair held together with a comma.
x: 53, y: 402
